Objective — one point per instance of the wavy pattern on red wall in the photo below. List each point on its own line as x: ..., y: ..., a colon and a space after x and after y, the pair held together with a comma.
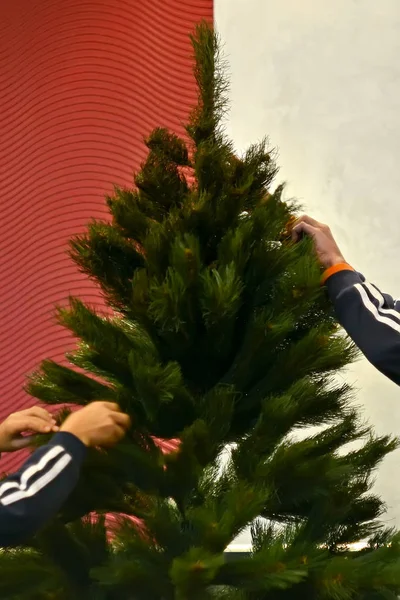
x: 81, y: 83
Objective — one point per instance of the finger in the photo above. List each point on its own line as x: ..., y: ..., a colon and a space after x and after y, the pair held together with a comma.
x: 22, y: 442
x: 122, y: 419
x: 41, y: 413
x: 119, y: 432
x: 298, y: 230
x: 303, y: 228
x: 116, y: 434
x: 28, y: 423
x: 111, y: 406
x: 309, y: 220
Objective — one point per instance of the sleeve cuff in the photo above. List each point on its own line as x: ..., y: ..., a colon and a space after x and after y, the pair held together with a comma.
x: 333, y: 270
x: 71, y: 443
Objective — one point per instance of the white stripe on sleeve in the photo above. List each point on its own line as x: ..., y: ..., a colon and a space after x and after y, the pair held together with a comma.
x: 39, y: 483
x: 378, y: 296
x: 369, y: 305
x: 32, y: 470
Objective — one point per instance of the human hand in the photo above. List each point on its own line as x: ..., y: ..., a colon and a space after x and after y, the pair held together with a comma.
x: 31, y: 420
x: 327, y: 250
x: 98, y: 424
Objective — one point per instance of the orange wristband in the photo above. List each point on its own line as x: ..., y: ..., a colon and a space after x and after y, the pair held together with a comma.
x: 335, y: 269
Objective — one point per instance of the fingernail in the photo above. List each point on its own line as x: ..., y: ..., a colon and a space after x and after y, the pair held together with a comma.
x: 47, y: 428
x: 56, y: 428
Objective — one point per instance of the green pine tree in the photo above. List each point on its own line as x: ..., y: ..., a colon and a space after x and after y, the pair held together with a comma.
x: 221, y: 336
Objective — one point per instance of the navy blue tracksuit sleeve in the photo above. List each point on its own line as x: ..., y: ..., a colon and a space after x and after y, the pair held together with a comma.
x: 34, y: 494
x: 371, y: 319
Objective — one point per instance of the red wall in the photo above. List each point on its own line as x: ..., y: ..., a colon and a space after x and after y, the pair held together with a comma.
x: 81, y: 83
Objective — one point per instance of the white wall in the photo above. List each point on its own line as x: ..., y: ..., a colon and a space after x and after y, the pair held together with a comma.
x: 322, y: 79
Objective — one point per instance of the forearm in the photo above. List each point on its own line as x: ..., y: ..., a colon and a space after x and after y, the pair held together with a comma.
x: 37, y: 491
x: 370, y: 318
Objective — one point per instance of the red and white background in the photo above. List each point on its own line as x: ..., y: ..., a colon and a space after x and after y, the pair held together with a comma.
x: 81, y: 83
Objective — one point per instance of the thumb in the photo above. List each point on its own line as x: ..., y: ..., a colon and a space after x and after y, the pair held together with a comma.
x: 22, y: 442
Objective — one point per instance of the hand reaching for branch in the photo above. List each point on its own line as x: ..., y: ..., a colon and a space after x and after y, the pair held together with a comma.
x: 30, y: 421
x: 98, y: 424
x: 326, y: 248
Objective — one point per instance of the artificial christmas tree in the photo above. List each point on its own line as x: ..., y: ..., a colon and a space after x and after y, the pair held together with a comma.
x: 221, y: 336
